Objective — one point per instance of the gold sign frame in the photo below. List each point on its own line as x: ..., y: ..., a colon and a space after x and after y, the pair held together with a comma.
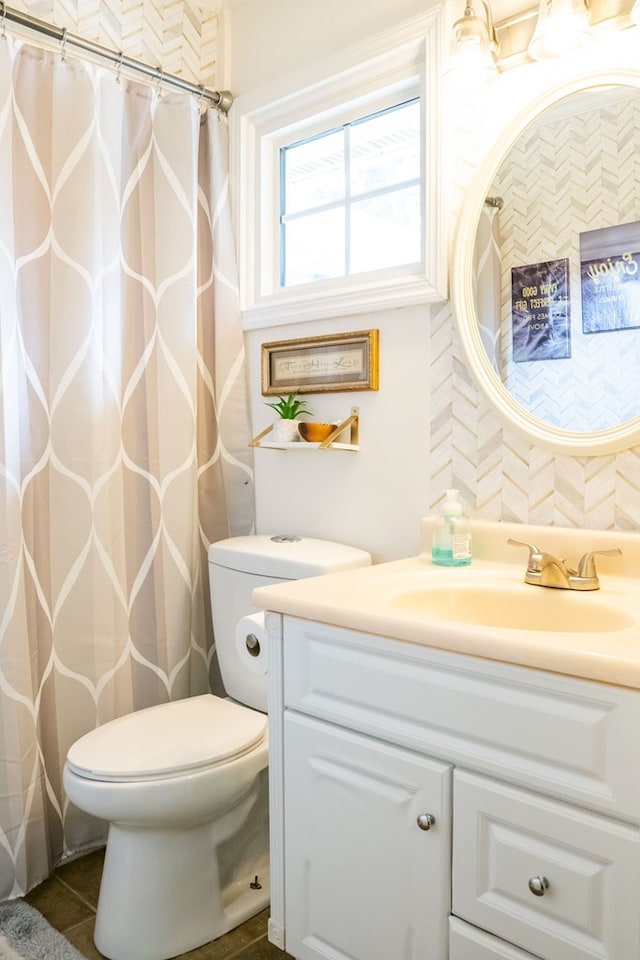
x: 344, y: 361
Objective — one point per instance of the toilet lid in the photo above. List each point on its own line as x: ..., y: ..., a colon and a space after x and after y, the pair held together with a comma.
x: 170, y: 738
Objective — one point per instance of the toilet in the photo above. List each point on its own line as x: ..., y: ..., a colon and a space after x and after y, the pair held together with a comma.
x: 184, y: 785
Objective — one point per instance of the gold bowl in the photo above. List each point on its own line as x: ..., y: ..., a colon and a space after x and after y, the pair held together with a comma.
x: 315, y: 432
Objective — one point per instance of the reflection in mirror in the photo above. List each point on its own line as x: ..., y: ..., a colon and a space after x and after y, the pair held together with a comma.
x: 565, y: 342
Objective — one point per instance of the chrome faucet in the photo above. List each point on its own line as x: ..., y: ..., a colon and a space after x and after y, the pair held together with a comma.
x: 545, y: 570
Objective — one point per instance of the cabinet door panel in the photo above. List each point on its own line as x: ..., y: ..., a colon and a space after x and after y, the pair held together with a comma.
x: 363, y: 880
x: 584, y: 871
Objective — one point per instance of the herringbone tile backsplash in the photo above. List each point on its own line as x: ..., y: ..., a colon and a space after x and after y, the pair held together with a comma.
x: 177, y: 37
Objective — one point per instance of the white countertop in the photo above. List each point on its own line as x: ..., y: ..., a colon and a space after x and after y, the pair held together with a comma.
x: 365, y: 599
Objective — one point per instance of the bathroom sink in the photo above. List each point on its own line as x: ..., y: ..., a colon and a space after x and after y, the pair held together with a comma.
x: 515, y: 607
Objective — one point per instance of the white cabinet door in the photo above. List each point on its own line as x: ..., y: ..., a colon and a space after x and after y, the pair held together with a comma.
x: 364, y: 881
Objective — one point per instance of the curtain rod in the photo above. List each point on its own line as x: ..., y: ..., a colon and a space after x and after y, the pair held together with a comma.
x: 221, y: 99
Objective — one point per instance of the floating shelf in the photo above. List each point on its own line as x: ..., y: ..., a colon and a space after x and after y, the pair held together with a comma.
x: 332, y: 442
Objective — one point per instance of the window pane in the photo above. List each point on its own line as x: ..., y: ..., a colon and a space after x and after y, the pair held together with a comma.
x: 367, y: 198
x: 313, y: 172
x: 385, y: 149
x: 386, y: 231
x: 314, y: 247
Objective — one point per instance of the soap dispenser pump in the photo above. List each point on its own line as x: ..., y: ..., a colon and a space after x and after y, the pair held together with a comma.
x: 451, y: 546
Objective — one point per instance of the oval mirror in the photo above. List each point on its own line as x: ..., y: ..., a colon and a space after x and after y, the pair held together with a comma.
x: 546, y: 272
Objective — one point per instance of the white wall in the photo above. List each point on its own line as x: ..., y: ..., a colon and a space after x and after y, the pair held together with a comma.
x: 268, y: 39
x: 428, y: 427
x: 372, y: 498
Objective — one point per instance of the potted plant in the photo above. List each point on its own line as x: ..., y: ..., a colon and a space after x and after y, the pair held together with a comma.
x: 285, y: 429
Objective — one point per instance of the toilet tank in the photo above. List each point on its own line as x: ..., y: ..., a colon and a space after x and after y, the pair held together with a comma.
x: 236, y: 567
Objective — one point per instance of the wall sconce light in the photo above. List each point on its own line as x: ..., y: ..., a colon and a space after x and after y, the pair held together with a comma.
x: 474, y: 46
x: 563, y: 26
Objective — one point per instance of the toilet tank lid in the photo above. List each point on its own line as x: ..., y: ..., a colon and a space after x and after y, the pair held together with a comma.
x: 170, y: 738
x: 286, y: 557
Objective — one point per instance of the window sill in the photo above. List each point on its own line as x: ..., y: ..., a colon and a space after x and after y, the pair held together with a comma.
x: 285, y: 307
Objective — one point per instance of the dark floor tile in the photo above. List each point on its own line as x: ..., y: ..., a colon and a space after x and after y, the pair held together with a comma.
x: 263, y: 950
x: 81, y: 936
x: 232, y: 943
x: 260, y: 949
x: 83, y: 875
x: 58, y: 904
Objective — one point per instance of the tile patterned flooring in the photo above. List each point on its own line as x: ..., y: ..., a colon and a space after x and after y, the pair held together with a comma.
x: 68, y: 900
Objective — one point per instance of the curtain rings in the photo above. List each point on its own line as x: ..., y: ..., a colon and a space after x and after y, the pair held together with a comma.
x: 119, y: 66
x: 202, y: 105
x: 63, y: 45
x: 159, y: 84
x: 3, y: 22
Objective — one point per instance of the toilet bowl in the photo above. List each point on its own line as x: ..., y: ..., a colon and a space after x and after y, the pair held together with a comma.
x: 172, y: 808
x: 184, y: 785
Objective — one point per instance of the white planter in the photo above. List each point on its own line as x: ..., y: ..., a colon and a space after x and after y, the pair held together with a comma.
x: 285, y: 431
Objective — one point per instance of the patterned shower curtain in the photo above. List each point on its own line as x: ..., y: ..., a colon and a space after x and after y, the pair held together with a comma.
x: 123, y: 421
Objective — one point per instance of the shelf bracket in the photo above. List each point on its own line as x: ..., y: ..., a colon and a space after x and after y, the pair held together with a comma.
x: 255, y: 442
x: 351, y: 421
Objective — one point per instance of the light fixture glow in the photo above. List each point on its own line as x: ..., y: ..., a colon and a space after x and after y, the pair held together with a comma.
x: 563, y: 26
x: 634, y: 16
x: 474, y: 47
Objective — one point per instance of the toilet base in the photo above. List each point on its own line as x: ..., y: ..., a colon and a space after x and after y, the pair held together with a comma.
x: 166, y: 892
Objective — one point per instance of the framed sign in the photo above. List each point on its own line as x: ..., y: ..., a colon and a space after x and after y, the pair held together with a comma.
x: 610, y: 278
x: 346, y: 361
x: 540, y: 315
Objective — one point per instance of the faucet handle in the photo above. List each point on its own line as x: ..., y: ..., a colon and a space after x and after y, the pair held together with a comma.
x: 543, y: 569
x: 522, y: 543
x: 587, y: 566
x: 535, y: 555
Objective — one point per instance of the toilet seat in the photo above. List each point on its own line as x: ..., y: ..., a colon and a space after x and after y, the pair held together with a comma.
x: 168, y: 740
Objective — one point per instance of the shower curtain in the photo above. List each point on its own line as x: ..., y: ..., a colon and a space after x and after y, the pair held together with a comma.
x: 123, y: 421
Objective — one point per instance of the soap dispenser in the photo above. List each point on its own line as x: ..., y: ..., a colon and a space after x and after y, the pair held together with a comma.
x: 451, y: 545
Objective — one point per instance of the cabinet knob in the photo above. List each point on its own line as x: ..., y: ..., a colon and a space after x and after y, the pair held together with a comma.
x: 425, y: 821
x: 538, y: 885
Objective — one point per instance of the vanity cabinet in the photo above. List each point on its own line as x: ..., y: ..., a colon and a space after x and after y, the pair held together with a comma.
x: 528, y: 783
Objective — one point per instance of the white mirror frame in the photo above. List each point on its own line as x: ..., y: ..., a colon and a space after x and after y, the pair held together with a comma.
x: 462, y: 281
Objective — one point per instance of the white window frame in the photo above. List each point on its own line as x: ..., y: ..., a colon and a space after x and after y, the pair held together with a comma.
x: 402, y: 63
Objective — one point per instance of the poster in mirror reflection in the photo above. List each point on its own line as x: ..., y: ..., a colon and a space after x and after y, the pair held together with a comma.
x: 610, y: 278
x: 540, y: 311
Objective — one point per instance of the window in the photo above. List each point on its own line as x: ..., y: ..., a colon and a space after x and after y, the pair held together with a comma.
x: 339, y: 200
x: 351, y: 198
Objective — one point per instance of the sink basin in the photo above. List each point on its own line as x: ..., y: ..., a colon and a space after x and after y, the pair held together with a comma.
x: 516, y: 607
